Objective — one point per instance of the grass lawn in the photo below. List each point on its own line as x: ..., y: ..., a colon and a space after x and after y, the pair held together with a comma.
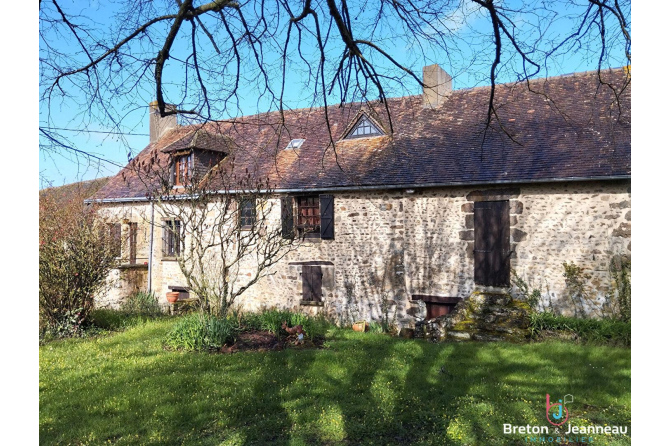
x: 362, y: 388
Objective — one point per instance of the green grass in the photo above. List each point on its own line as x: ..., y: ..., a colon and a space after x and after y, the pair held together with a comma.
x: 364, y: 388
x: 594, y: 331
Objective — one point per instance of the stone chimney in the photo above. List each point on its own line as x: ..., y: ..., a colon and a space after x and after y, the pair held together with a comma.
x: 437, y: 86
x: 157, y: 125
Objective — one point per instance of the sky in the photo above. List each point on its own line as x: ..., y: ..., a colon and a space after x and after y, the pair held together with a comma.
x: 469, y: 67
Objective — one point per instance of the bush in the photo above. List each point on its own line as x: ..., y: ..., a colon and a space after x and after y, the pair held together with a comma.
x: 376, y: 327
x: 76, y: 253
x: 316, y: 327
x: 108, y: 319
x: 201, y: 332
x: 529, y: 293
x: 599, y: 331
x: 142, y: 303
x: 618, y: 299
x: 272, y: 320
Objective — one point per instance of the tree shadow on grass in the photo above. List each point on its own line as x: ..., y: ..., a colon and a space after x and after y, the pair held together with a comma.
x: 364, y: 389
x: 155, y: 397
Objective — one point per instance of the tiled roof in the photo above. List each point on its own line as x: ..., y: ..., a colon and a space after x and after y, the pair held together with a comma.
x: 201, y: 139
x: 79, y: 190
x: 567, y: 127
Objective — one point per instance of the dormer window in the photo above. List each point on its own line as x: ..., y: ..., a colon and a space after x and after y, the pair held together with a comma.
x: 295, y: 144
x: 183, y: 169
x: 363, y: 128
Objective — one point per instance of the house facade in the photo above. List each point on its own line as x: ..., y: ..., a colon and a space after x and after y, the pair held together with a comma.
x: 406, y: 207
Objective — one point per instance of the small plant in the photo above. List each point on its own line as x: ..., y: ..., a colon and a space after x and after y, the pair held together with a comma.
x: 142, y: 303
x: 316, y: 327
x: 376, y: 327
x: 577, y: 290
x: 69, y: 324
x: 200, y: 332
x: 530, y: 294
x: 389, y: 325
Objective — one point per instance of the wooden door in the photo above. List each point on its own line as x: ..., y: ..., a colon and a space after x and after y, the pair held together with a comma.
x: 311, y: 283
x: 492, y: 243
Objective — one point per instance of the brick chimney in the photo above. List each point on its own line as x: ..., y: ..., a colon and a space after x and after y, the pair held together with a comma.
x: 437, y: 86
x: 157, y: 125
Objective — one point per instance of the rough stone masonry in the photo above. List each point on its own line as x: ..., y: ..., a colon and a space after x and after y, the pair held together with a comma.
x: 391, y: 244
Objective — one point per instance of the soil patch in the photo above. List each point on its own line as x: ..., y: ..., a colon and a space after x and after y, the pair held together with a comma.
x: 263, y: 341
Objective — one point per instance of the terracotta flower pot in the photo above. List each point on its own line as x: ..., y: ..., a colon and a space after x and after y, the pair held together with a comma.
x: 172, y: 296
x: 360, y: 326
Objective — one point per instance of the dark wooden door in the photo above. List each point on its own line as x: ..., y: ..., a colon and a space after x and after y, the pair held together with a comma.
x: 132, y: 258
x: 311, y: 283
x: 492, y: 243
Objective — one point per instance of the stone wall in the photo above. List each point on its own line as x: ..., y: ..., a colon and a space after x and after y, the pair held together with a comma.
x: 127, y: 279
x: 390, y: 245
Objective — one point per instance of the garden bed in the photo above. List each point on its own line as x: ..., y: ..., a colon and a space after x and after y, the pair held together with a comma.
x: 263, y: 341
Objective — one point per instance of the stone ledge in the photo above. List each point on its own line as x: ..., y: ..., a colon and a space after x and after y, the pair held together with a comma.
x: 311, y: 303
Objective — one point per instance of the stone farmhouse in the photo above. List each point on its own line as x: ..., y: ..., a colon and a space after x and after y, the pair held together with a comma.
x: 411, y: 214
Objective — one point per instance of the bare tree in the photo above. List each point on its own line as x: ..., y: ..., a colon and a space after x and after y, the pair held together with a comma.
x: 208, y: 57
x: 223, y: 231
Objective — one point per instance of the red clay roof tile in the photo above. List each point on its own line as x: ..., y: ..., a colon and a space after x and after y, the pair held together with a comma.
x: 561, y: 128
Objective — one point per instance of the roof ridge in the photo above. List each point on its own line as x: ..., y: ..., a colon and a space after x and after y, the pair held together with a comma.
x: 237, y: 119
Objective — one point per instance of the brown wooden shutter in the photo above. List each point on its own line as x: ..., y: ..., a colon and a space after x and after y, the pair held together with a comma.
x: 311, y: 283
x: 176, y: 238
x: 132, y: 257
x: 287, y: 217
x: 492, y: 243
x: 166, y: 236
x: 115, y: 233
x: 326, y: 206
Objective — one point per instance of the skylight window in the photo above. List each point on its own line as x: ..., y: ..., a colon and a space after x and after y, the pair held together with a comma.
x: 295, y: 144
x: 364, y: 127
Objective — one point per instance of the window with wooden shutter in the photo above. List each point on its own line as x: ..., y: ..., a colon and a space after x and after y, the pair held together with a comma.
x: 327, y: 204
x: 132, y: 243
x: 492, y: 249
x: 171, y: 238
x: 115, y: 237
x: 183, y: 169
x: 312, y: 279
x: 287, y: 217
x: 309, y: 216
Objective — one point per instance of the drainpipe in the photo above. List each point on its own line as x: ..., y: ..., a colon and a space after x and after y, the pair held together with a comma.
x: 151, y: 248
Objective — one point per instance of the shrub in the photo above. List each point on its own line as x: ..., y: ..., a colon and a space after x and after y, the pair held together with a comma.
x: 376, y: 327
x: 531, y: 295
x: 76, y: 253
x: 315, y: 327
x: 201, y: 332
x: 142, y: 303
x: 599, y: 331
x: 618, y: 299
x: 108, y: 319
